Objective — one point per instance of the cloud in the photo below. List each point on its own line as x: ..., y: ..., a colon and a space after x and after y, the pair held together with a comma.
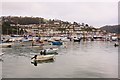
x: 60, y: 0
x: 93, y: 13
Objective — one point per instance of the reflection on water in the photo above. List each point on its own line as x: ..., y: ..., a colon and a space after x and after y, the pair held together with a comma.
x: 95, y: 59
x: 39, y: 62
x: 1, y: 67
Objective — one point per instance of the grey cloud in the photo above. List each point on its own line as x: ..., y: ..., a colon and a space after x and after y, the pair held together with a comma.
x: 93, y: 13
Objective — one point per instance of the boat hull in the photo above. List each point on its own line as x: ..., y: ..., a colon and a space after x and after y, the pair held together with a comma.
x: 44, y: 58
x: 76, y: 40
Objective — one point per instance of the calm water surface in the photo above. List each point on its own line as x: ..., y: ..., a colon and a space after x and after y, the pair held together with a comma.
x: 78, y: 60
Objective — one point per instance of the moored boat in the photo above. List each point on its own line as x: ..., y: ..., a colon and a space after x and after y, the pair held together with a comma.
x: 114, y: 38
x: 65, y: 39
x: 37, y: 44
x: 49, y: 51
x: 75, y: 39
x: 6, y: 45
x: 25, y: 40
x: 57, y: 43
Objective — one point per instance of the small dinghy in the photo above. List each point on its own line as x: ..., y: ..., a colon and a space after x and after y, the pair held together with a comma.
x: 42, y: 58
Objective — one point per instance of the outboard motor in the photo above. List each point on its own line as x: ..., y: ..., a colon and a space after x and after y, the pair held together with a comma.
x: 34, y: 57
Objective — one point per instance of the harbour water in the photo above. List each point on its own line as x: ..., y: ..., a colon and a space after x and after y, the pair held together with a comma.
x: 97, y: 59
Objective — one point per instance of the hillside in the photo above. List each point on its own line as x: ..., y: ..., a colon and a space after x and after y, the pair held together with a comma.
x: 111, y: 29
x: 58, y: 25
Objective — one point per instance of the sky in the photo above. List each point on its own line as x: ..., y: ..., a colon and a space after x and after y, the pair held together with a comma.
x: 94, y: 13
